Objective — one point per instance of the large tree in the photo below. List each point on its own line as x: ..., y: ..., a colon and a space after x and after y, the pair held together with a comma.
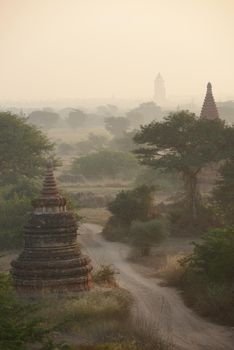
x: 184, y: 143
x: 23, y: 149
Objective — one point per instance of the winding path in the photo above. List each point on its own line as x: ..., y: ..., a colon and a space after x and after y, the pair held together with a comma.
x: 159, y: 309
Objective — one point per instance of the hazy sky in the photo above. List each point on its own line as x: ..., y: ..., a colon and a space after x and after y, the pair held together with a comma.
x: 95, y: 48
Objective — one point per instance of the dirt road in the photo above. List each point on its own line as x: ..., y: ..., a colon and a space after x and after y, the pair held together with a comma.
x: 158, y: 308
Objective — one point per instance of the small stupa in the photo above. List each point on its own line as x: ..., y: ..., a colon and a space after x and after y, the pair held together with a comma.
x: 209, y: 109
x: 51, y: 260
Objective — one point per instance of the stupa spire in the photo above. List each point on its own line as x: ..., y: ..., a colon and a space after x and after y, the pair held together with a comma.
x: 51, y: 260
x: 209, y: 109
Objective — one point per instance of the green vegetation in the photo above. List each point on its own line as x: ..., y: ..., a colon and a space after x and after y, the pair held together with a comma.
x: 46, y: 118
x: 145, y: 234
x: 99, y: 319
x: 182, y: 143
x: 224, y: 193
x: 76, y: 118
x: 23, y: 153
x: 133, y: 219
x: 23, y: 149
x: 19, y: 327
x: 105, y: 164
x: 206, y: 276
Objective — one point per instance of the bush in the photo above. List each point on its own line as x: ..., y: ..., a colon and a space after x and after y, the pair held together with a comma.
x: 18, y: 326
x: 208, y: 279
x: 223, y: 193
x: 136, y: 204
x: 106, y: 164
x: 145, y: 234
x: 105, y: 275
x: 13, y: 215
x: 214, y: 257
x: 181, y: 222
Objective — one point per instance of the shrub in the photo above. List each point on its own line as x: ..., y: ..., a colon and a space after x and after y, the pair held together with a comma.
x: 182, y: 223
x: 214, y: 257
x: 105, y: 275
x: 18, y: 326
x: 13, y: 215
x: 106, y: 164
x: 145, y: 234
x: 136, y: 204
x: 223, y: 193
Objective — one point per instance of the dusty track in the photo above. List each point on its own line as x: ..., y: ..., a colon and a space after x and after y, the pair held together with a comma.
x: 160, y: 309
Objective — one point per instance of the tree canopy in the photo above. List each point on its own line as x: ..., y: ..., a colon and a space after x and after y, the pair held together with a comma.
x: 23, y: 148
x: 184, y: 143
x: 46, y: 118
x: 76, y: 118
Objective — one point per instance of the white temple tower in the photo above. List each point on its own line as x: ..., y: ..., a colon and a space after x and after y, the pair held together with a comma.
x: 159, y: 90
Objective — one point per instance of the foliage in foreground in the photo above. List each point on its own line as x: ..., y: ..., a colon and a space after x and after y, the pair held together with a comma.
x: 18, y: 326
x: 206, y: 276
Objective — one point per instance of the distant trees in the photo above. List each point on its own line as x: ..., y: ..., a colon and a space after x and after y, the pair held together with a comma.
x: 46, y: 118
x: 76, y: 118
x: 117, y: 126
x: 186, y: 144
x: 105, y: 164
x: 93, y: 143
x: 144, y: 113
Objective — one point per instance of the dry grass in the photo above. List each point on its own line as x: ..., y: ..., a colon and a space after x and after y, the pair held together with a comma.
x: 97, y: 216
x: 172, y: 271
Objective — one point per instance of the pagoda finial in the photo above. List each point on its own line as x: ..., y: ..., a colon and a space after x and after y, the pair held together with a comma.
x: 209, y: 109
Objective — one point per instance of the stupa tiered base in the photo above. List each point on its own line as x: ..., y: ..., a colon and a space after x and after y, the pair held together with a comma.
x: 51, y: 260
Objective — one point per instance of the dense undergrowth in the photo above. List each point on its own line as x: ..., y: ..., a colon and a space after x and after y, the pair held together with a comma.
x: 206, y: 276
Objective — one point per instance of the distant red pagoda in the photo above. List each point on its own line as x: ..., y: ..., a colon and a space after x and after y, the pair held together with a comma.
x: 209, y: 109
x: 51, y: 260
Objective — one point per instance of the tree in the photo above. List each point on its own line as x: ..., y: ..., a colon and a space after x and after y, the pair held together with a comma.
x: 46, y: 118
x: 145, y: 234
x: 23, y: 149
x: 132, y: 205
x: 223, y: 192
x: 184, y: 143
x: 117, y: 125
x: 105, y: 164
x: 76, y: 118
x: 93, y: 143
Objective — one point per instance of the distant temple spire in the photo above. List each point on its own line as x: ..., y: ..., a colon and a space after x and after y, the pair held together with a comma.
x: 159, y: 90
x: 209, y: 109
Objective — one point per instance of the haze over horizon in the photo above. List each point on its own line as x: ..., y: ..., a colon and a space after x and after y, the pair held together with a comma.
x: 58, y: 49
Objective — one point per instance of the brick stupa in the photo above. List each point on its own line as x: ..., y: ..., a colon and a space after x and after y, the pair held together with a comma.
x: 51, y: 260
x: 209, y: 109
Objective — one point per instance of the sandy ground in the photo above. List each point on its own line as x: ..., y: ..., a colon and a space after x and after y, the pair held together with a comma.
x: 159, y: 309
